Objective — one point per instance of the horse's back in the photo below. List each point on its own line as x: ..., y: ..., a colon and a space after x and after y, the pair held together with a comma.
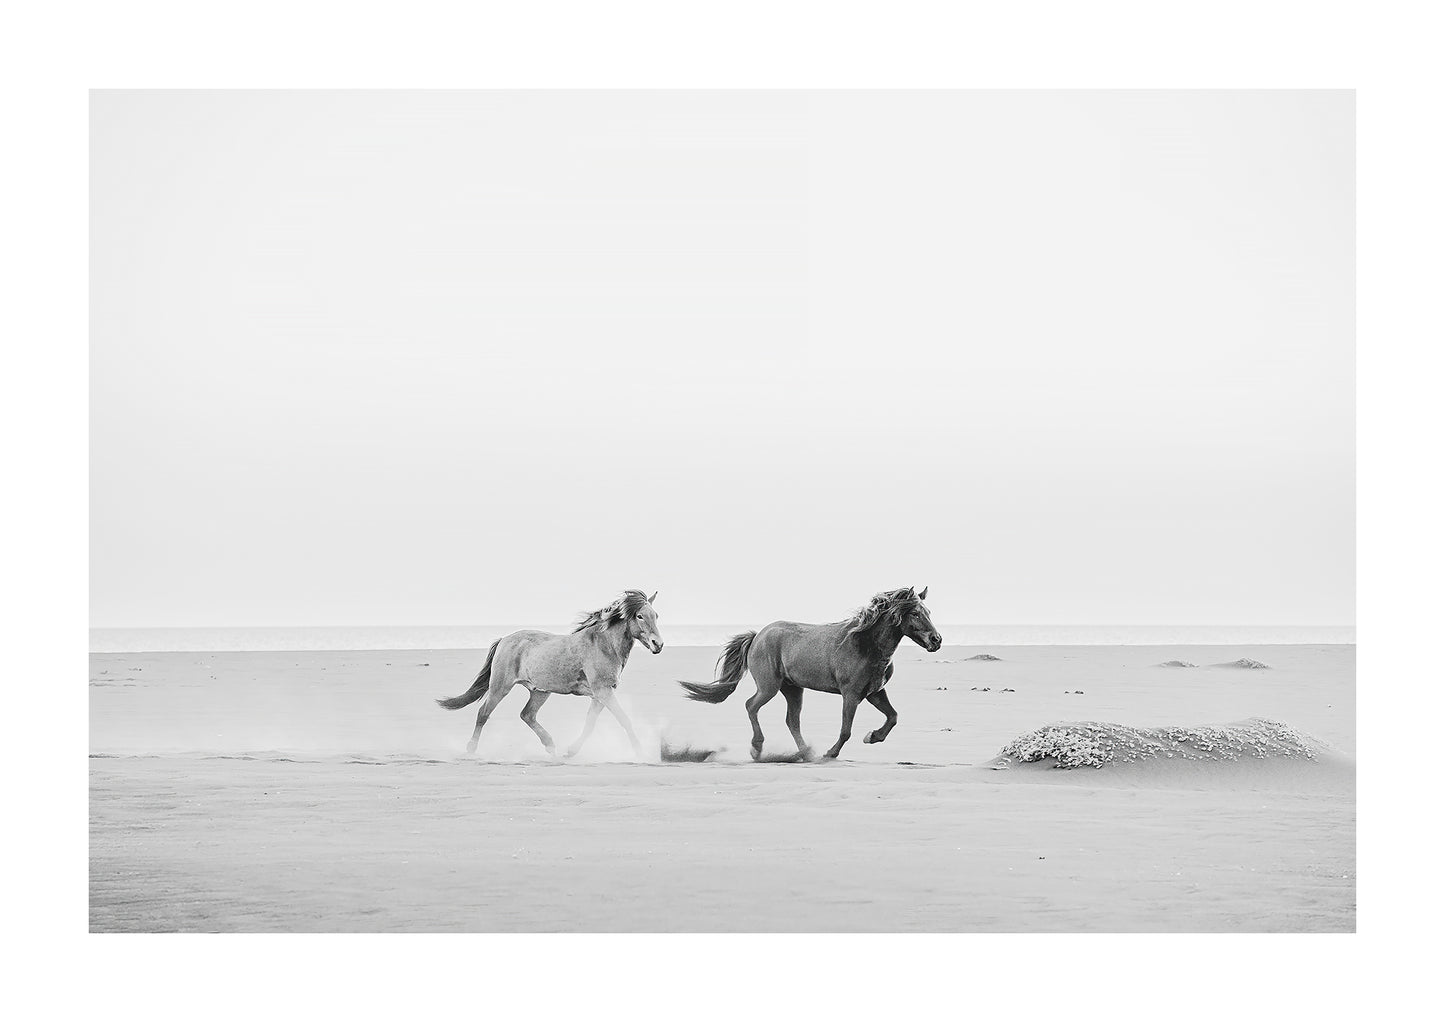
x: 539, y: 660
x: 526, y: 639
x: 799, y: 653
x: 773, y: 638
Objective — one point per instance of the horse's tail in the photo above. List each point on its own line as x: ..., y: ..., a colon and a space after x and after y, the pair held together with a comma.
x: 733, y: 665
x: 479, y: 687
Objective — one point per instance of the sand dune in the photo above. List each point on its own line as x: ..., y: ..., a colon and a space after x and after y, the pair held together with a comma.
x: 1247, y: 664
x: 1177, y: 663
x: 1093, y: 744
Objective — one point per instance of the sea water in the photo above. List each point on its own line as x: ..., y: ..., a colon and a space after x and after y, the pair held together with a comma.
x: 136, y: 640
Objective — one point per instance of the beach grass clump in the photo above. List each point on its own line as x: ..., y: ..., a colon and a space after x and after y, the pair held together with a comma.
x: 1070, y: 746
x: 1095, y: 744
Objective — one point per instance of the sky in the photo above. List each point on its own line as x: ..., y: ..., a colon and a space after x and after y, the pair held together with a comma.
x: 370, y: 358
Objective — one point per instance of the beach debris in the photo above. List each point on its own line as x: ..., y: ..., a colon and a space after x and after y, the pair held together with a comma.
x: 1176, y: 663
x: 1006, y: 690
x: 983, y: 656
x: 977, y: 689
x: 1096, y: 744
x: 941, y: 688
x: 1247, y: 664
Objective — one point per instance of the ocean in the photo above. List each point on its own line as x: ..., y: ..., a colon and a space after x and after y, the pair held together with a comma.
x: 141, y: 640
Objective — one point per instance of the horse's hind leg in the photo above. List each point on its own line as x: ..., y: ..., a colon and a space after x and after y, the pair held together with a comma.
x: 529, y: 715
x: 880, y: 700
x: 767, y: 688
x: 495, y: 695
x: 850, y: 707
x: 794, y: 695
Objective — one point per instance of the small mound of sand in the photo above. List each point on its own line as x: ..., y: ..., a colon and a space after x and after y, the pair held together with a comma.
x: 1176, y: 663
x: 1094, y: 744
x: 983, y: 656
x: 1246, y: 663
x: 686, y: 753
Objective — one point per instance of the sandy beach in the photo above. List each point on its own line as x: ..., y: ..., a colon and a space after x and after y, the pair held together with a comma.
x: 325, y: 791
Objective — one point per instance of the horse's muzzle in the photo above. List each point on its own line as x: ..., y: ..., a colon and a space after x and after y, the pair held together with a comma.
x: 656, y: 648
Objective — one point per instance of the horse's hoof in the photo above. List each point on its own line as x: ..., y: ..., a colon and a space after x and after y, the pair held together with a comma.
x: 757, y: 751
x: 471, y: 748
x: 871, y: 737
x: 807, y: 755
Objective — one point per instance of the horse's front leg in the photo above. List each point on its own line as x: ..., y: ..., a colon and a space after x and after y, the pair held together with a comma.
x: 616, y: 708
x: 880, y: 700
x: 593, y: 712
x: 850, y: 707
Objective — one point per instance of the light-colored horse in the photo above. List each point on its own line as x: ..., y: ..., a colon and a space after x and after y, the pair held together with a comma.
x: 852, y: 658
x: 588, y: 662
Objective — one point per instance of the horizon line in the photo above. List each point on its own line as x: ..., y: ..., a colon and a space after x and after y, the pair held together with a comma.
x: 712, y: 624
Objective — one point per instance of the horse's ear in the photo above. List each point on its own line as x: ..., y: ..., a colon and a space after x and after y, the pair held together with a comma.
x: 653, y: 597
x: 923, y: 593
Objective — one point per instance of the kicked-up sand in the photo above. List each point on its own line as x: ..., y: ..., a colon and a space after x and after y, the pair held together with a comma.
x: 327, y: 791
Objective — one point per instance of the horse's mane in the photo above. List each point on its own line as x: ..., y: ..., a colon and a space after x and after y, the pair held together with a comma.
x: 620, y: 609
x: 890, y: 605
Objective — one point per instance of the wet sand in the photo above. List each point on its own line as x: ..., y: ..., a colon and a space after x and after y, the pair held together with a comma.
x: 325, y: 791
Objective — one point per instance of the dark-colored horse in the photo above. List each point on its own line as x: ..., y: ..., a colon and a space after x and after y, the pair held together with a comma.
x: 587, y: 663
x: 852, y: 658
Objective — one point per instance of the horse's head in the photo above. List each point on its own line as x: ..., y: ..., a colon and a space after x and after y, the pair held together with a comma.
x: 918, y: 626
x: 642, y: 626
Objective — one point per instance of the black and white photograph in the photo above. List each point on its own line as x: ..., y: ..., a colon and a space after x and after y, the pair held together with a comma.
x: 805, y: 511
x: 715, y: 513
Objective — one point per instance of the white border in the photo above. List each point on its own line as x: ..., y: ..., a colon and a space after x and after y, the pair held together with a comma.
x: 1385, y: 50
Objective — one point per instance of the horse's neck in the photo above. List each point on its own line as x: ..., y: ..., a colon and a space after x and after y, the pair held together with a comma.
x: 616, y: 642
x: 880, y: 642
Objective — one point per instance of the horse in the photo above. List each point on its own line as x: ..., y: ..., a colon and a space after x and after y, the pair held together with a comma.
x: 588, y: 662
x: 852, y: 658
